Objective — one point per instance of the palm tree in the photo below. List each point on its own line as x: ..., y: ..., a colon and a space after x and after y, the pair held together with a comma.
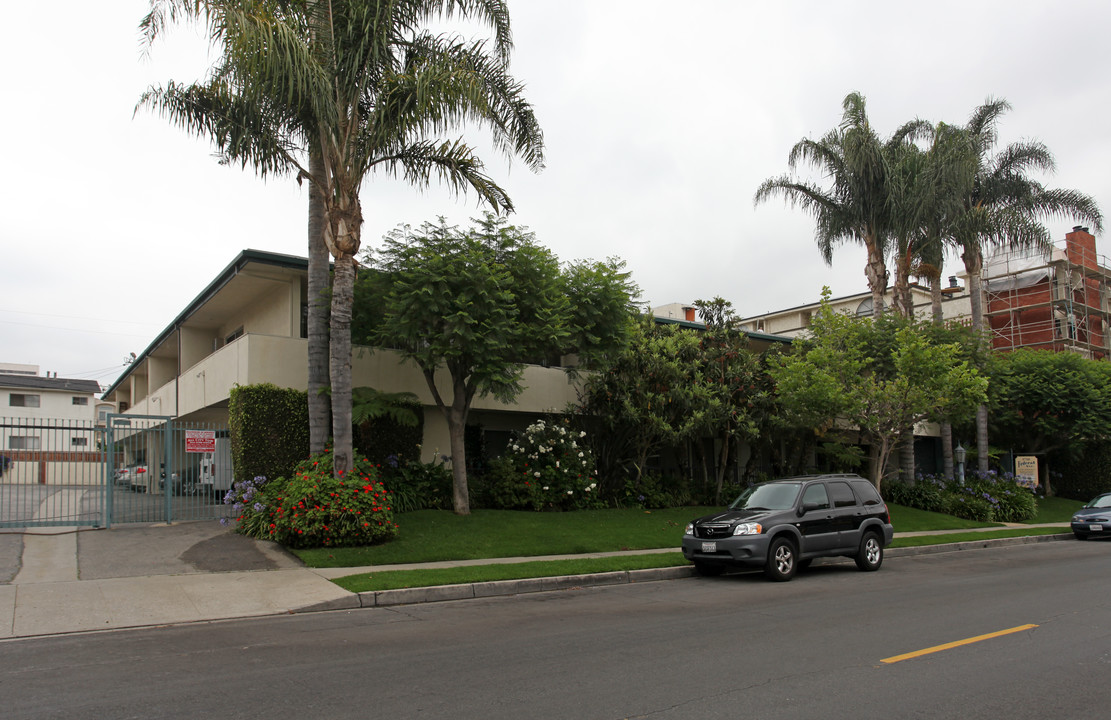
x: 857, y: 207
x: 927, y: 186
x: 357, y: 86
x: 1003, y: 207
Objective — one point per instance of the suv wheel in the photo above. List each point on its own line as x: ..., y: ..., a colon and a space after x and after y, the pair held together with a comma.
x: 870, y: 556
x: 781, y: 563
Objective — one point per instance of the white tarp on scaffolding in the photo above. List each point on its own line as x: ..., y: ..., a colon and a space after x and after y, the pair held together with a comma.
x: 1013, y: 270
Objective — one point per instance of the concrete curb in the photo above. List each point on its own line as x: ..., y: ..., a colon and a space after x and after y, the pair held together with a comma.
x: 498, y: 588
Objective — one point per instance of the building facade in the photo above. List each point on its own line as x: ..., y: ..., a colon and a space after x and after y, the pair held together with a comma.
x: 249, y: 326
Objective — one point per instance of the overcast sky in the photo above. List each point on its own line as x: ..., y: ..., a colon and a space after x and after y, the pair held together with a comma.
x: 660, y: 121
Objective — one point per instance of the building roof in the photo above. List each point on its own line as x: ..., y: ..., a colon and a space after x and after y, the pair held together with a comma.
x: 241, y: 260
x: 35, y: 382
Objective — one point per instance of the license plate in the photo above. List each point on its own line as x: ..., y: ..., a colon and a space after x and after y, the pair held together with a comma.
x: 709, y: 547
x: 1093, y: 528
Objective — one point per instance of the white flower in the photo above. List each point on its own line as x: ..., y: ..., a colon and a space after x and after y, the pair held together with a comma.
x: 588, y: 489
x: 536, y: 474
x: 562, y: 431
x: 570, y: 492
x: 580, y: 454
x: 593, y: 485
x: 557, y: 463
x: 582, y: 434
x: 545, y: 487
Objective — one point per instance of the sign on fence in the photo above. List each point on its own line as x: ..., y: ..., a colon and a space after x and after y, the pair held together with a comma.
x: 200, y: 441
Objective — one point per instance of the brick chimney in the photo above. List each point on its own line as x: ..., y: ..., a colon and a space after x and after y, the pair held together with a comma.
x: 1080, y: 247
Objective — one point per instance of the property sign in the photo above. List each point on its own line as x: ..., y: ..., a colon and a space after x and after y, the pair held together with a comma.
x: 1026, y: 466
x: 200, y: 441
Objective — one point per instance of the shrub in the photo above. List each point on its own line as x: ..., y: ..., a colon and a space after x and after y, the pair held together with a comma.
x: 315, y: 509
x: 380, y: 438
x: 657, y: 491
x: 971, y: 508
x: 985, y: 497
x: 549, y: 466
x: 418, y: 486
x: 1084, y: 476
x: 926, y: 493
x: 269, y: 429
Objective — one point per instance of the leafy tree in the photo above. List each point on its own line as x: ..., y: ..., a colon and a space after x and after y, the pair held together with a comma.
x: 730, y: 373
x: 331, y: 90
x: 858, y: 206
x: 648, y: 398
x: 838, y: 374
x: 1043, y: 401
x: 471, y: 307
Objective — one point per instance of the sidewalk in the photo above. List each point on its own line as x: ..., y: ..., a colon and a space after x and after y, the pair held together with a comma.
x: 66, y: 580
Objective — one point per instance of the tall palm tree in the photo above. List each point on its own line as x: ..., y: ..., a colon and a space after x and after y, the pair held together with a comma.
x: 356, y: 86
x: 1003, y: 207
x: 857, y: 207
x: 927, y: 187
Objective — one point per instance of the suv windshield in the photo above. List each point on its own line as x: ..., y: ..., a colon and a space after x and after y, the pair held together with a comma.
x: 770, y: 496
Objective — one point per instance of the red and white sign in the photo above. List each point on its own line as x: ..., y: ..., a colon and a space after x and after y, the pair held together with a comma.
x: 200, y: 441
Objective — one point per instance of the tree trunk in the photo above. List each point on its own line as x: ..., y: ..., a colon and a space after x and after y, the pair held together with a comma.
x: 947, y: 450
x: 723, y: 461
x: 318, y: 283
x: 343, y: 288
x: 946, y: 428
x: 457, y: 425
x: 974, y: 263
x: 906, y: 456
x: 876, y: 273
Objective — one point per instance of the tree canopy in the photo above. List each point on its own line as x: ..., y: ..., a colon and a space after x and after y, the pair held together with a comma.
x: 880, y: 377
x: 481, y: 303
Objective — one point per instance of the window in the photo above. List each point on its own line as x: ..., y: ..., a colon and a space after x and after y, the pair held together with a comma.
x: 842, y: 494
x: 867, y: 492
x: 80, y: 400
x: 816, y: 493
x: 79, y: 442
x: 236, y: 334
x: 17, y: 400
x: 23, y: 442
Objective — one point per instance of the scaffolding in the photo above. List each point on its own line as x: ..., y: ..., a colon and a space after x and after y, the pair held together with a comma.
x: 1060, y: 300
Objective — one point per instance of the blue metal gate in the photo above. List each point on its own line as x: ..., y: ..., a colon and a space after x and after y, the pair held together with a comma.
x: 134, y: 469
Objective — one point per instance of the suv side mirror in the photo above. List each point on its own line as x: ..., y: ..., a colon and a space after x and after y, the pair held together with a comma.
x: 807, y: 507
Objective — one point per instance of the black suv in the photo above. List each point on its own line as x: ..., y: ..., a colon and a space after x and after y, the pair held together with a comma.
x: 782, y: 525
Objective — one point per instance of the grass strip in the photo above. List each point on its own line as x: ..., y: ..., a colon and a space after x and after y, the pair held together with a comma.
x: 395, y: 579
x: 973, y: 536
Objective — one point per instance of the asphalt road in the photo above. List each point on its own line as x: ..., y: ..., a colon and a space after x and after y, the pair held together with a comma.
x: 704, y: 648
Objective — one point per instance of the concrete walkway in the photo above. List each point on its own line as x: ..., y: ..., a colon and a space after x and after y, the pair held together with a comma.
x: 66, y: 580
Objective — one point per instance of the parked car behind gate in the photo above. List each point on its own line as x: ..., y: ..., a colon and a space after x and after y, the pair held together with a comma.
x: 783, y: 524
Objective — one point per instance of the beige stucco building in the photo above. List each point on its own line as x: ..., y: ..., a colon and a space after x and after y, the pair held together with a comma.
x: 249, y: 326
x: 794, y: 321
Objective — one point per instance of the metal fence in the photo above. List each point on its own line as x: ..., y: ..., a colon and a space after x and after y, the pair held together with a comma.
x: 132, y: 469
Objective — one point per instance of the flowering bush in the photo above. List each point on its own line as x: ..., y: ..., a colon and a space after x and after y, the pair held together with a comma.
x: 546, y: 467
x: 315, y: 509
x: 985, y: 497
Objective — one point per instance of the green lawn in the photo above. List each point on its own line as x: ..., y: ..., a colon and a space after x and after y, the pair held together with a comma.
x: 431, y: 535
x: 906, y: 519
x: 1055, y: 509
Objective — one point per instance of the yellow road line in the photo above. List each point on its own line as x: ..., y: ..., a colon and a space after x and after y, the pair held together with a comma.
x: 957, y: 643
